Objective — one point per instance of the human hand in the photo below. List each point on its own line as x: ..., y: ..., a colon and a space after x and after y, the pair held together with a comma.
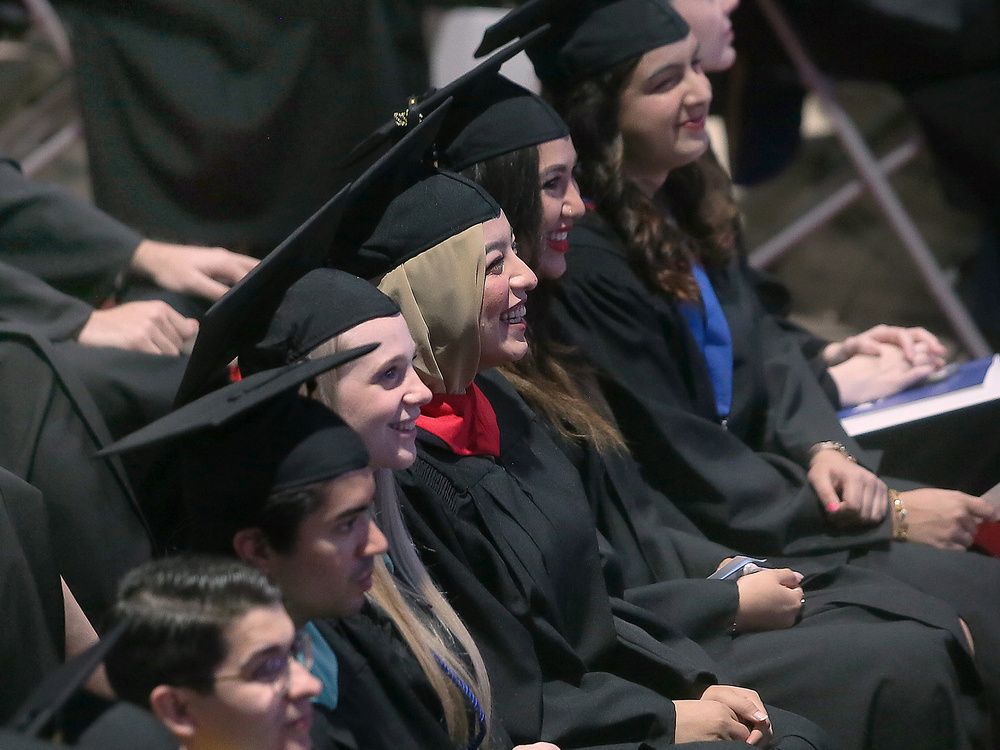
x: 188, y: 269
x: 913, y: 342
x: 770, y: 599
x: 153, y: 327
x: 851, y: 494
x: 945, y: 518
x: 723, y: 713
x: 866, y: 377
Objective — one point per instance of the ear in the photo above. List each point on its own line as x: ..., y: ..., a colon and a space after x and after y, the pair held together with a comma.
x: 252, y: 548
x: 170, y: 705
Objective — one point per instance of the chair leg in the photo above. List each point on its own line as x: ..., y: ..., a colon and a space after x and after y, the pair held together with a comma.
x: 875, y: 180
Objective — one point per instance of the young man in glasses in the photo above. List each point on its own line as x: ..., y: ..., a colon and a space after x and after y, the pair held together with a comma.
x: 210, y: 650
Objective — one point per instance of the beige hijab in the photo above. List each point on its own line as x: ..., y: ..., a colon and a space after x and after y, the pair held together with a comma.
x: 440, y: 293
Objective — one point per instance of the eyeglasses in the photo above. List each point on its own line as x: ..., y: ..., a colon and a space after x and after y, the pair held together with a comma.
x: 277, y: 669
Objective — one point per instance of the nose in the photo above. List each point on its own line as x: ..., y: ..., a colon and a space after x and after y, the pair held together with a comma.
x: 573, y: 203
x: 376, y: 543
x: 522, y: 278
x: 417, y: 394
x: 302, y: 683
x: 700, y: 91
x: 729, y: 6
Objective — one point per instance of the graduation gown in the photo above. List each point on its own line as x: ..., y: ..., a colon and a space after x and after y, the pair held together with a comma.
x: 223, y: 122
x: 523, y: 571
x: 384, y: 699
x: 662, y: 567
x: 743, y: 484
x: 32, y: 639
x: 59, y: 259
x: 49, y: 432
x: 858, y: 627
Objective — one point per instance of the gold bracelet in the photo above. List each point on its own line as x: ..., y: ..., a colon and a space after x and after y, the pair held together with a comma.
x: 832, y: 445
x: 900, y: 527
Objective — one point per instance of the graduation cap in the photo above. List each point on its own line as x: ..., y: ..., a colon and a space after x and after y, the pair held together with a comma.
x: 37, y: 713
x: 241, y: 316
x: 322, y: 304
x: 493, y: 116
x: 119, y: 726
x: 587, y: 36
x: 419, y: 107
x: 420, y: 217
x: 250, y: 439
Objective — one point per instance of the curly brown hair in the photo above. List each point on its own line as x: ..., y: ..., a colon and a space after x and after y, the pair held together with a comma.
x: 697, y: 196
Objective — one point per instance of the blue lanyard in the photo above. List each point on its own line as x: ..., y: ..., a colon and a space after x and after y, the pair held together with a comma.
x: 473, y: 701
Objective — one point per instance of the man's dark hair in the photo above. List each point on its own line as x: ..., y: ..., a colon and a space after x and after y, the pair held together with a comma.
x: 177, y: 610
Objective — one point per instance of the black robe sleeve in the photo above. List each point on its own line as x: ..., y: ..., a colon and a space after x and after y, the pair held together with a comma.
x: 32, y: 637
x: 61, y: 240
x: 27, y: 299
x: 732, y: 483
x: 50, y: 430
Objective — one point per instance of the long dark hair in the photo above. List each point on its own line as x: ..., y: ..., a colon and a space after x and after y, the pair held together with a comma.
x: 705, y: 219
x: 552, y: 377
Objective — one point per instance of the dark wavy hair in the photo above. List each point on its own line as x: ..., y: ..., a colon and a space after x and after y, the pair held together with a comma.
x: 505, y: 177
x: 696, y: 196
x: 176, y: 612
x: 552, y: 377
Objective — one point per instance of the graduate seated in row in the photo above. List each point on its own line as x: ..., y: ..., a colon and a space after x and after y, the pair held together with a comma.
x: 734, y: 429
x: 209, y: 648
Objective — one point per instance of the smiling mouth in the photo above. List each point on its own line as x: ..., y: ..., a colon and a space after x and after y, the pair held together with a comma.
x: 406, y: 426
x: 558, y: 241
x: 515, y: 314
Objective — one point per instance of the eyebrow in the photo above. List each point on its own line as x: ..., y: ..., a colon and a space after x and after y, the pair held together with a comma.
x: 265, y: 653
x: 499, y: 245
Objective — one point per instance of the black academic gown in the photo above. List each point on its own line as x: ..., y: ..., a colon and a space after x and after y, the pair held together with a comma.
x: 937, y: 451
x: 222, y: 122
x: 743, y: 484
x: 59, y: 259
x: 49, y: 432
x: 32, y: 638
x: 523, y: 570
x: 384, y: 700
x: 859, y: 627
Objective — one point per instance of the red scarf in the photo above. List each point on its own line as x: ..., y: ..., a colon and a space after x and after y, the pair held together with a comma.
x: 466, y: 422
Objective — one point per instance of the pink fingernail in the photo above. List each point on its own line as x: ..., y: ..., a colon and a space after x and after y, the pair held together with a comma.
x: 832, y: 507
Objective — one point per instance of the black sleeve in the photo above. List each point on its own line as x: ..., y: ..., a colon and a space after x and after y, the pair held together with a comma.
x: 757, y: 502
x: 60, y: 239
x: 776, y: 301
x: 26, y: 299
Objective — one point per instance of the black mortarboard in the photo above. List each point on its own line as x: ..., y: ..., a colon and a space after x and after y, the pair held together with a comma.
x: 493, y: 116
x: 249, y: 439
x: 47, y: 700
x: 422, y: 216
x: 240, y: 318
x: 322, y: 304
x: 420, y: 106
x: 587, y: 36
x: 237, y: 399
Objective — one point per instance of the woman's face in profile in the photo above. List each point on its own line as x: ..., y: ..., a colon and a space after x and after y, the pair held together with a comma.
x: 709, y: 22
x: 561, y: 204
x: 502, y: 324
x: 662, y: 111
x: 380, y: 395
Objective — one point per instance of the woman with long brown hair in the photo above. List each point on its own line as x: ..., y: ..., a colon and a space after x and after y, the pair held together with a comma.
x: 720, y: 409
